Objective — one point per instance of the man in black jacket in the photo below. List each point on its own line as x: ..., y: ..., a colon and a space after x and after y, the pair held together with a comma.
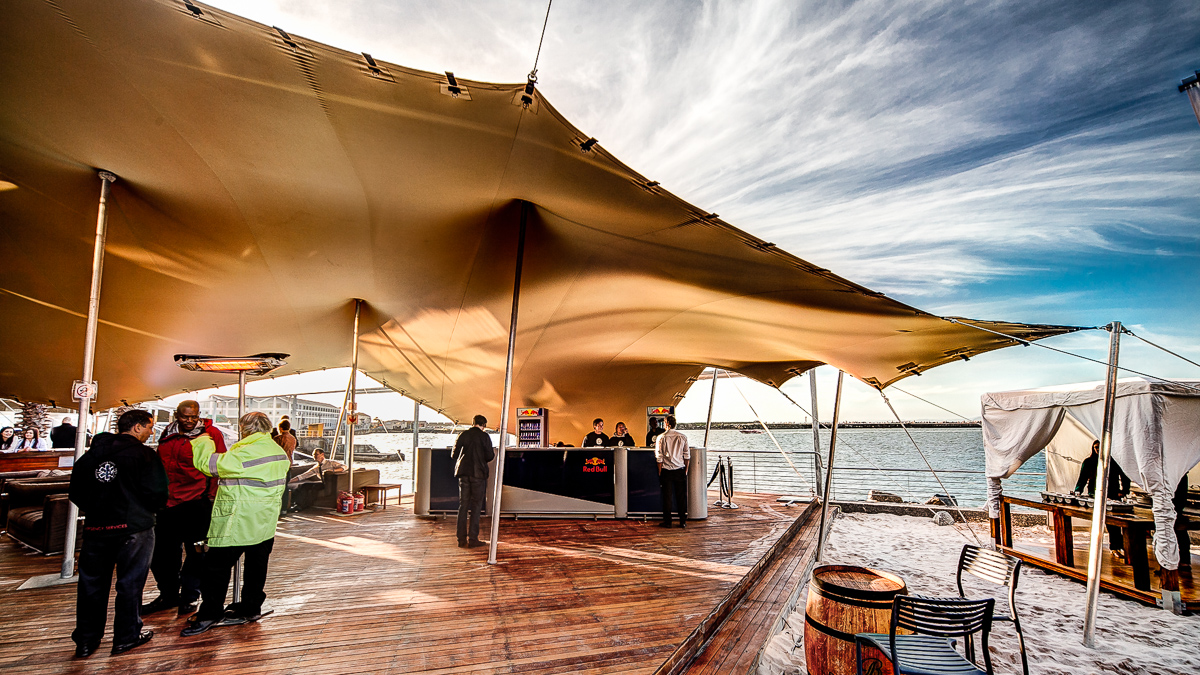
x: 118, y: 484
x: 1118, y: 487
x: 471, y: 454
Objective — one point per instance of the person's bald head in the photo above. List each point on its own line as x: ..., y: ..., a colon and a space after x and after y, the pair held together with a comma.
x: 187, y: 414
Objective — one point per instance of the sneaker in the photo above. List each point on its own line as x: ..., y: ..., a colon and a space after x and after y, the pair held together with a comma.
x: 141, y: 640
x: 157, y: 605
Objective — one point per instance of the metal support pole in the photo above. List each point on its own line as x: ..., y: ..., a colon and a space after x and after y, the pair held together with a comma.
x: 837, y: 406
x: 416, y: 440
x: 337, y: 428
x: 353, y: 405
x: 237, y: 566
x: 1100, y: 507
x: 89, y: 361
x: 816, y: 433
x: 508, y: 374
x: 711, y: 398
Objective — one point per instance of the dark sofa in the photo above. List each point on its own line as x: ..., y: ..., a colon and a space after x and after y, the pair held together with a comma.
x: 38, y: 510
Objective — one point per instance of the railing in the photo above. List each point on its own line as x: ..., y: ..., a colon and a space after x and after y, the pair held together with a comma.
x: 767, y: 471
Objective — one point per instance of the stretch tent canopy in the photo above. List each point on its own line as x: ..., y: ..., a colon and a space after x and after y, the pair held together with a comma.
x: 1155, y: 438
x: 266, y: 181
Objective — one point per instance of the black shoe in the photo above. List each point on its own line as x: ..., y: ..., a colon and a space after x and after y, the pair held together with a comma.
x: 157, y: 605
x: 475, y: 544
x: 197, y: 626
x: 82, y: 651
x: 141, y: 640
x: 188, y: 607
x: 462, y: 544
x: 665, y: 523
x: 683, y: 524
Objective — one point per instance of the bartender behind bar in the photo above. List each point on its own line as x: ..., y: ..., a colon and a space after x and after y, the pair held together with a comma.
x: 597, y: 438
x: 1118, y: 487
x: 621, y: 437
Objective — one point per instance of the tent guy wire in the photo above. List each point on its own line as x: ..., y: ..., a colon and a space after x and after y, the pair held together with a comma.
x: 1088, y: 358
x: 931, y: 470
x: 1178, y: 356
x: 773, y: 439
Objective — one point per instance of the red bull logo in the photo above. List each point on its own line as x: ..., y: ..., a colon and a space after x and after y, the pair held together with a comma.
x: 595, y: 465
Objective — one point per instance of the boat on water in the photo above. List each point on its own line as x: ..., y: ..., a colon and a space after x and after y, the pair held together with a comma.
x: 750, y: 430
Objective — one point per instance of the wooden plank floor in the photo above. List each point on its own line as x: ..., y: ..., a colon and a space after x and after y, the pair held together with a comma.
x: 735, y: 645
x: 1115, y: 575
x: 391, y: 593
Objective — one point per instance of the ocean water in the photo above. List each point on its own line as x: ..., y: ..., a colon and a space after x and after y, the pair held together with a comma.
x: 866, y: 459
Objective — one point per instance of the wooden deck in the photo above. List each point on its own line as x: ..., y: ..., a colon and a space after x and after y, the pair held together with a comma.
x: 1115, y: 575
x: 392, y: 593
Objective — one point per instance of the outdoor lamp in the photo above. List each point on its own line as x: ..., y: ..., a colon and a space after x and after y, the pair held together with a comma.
x: 1191, y: 85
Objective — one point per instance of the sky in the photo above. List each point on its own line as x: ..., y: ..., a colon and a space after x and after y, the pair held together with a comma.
x: 1020, y: 161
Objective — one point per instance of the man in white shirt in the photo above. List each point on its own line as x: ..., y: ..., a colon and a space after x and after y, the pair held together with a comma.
x: 672, y: 453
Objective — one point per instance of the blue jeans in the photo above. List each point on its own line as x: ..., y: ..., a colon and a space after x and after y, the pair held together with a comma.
x: 470, y: 499
x: 130, y: 556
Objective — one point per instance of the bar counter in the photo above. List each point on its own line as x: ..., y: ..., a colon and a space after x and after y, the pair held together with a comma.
x: 610, y: 482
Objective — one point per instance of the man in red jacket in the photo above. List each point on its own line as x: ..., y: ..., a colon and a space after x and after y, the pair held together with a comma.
x: 184, y: 521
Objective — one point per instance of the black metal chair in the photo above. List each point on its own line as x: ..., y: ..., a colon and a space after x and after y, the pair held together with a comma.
x: 1000, y: 569
x: 934, y: 621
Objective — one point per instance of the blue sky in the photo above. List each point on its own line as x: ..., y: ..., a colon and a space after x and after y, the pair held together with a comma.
x: 1004, y: 160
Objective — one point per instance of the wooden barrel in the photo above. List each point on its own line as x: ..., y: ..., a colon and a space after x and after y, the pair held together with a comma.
x: 844, y: 600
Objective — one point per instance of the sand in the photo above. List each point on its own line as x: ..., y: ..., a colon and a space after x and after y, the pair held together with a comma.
x: 1130, y: 637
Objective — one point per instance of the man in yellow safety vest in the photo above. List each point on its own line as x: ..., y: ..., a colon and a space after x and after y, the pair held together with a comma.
x: 251, y: 477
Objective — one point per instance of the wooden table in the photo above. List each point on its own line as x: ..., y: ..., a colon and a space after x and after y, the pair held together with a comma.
x: 378, y: 492
x: 1135, y: 527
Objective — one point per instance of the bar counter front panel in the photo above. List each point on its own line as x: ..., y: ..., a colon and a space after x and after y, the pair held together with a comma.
x: 599, y: 482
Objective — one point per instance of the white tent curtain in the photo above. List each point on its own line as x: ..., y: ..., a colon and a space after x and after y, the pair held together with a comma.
x: 1156, y: 433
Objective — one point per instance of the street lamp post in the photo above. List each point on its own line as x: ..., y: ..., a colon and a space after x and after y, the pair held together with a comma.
x: 258, y: 364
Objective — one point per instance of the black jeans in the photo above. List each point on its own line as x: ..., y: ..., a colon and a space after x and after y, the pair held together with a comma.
x: 218, y: 566
x: 470, y: 498
x: 179, y: 528
x: 130, y: 556
x: 673, y: 483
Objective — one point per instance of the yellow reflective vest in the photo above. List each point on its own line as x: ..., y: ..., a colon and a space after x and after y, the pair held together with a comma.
x: 251, y: 477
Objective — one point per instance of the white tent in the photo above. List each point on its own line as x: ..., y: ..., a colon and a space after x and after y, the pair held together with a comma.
x: 1156, y: 438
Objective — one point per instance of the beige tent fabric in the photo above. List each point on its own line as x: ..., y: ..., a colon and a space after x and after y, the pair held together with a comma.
x: 266, y: 181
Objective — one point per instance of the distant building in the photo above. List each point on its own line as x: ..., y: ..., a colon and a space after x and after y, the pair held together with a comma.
x: 301, y: 412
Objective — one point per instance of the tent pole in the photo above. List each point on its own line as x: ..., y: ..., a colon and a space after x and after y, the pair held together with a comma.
x: 1100, y: 507
x: 89, y: 361
x: 711, y: 398
x: 508, y: 374
x: 337, y: 427
x: 352, y: 406
x: 237, y: 565
x: 816, y: 433
x: 837, y: 406
x: 416, y: 436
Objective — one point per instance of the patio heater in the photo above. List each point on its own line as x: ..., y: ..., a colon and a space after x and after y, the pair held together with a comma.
x: 257, y: 364
x: 1191, y: 87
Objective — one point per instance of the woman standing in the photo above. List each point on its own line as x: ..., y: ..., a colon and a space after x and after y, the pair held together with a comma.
x: 30, y: 440
x: 8, y: 440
